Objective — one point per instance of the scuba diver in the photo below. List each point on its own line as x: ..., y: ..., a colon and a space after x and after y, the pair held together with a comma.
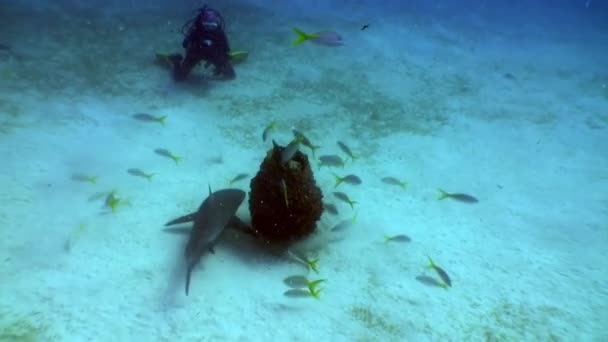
x: 206, y: 41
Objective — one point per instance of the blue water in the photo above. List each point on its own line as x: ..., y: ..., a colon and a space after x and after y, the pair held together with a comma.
x: 504, y: 101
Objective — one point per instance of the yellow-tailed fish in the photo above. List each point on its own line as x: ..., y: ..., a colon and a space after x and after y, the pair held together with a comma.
x: 150, y: 118
x: 305, y: 141
x: 81, y: 177
x: 140, y: 173
x: 344, y: 197
x: 465, y: 198
x: 397, y: 238
x: 447, y: 282
x: 347, y: 150
x: 326, y: 37
x: 348, y: 179
x: 237, y: 178
x: 394, y: 181
x: 166, y: 153
x: 268, y: 129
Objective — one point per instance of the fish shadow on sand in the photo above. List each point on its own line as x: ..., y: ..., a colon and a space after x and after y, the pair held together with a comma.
x: 429, y: 281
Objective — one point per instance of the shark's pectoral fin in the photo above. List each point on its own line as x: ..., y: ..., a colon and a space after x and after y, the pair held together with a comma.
x: 211, y: 249
x: 178, y: 230
x: 182, y: 219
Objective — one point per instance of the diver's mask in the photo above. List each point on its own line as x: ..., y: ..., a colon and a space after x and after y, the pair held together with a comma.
x: 210, y: 20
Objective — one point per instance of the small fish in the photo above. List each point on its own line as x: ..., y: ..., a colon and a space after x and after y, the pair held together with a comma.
x: 342, y: 226
x: 302, y: 293
x: 98, y: 196
x: 74, y: 236
x: 328, y: 38
x: 447, y: 282
x: 166, y: 153
x: 269, y: 128
x: 140, y: 173
x: 457, y: 196
x: 215, y: 160
x: 349, y: 179
x: 296, y: 281
x: 300, y: 281
x: 305, y: 141
x: 284, y: 190
x: 331, y: 208
x: 346, y: 150
x: 344, y: 197
x: 394, y: 181
x: 331, y: 161
x: 150, y: 118
x: 509, y: 76
x: 81, y: 177
x: 237, y: 178
x: 290, y: 150
x: 397, y: 238
x: 364, y: 27
x: 311, y: 264
x: 112, y: 201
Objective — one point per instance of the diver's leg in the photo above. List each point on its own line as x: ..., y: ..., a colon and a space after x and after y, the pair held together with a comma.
x: 183, y: 67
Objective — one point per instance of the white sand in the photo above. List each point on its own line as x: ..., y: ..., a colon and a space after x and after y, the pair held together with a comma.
x: 416, y: 97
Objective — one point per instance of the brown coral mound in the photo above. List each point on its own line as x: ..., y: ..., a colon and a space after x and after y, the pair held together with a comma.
x: 285, y: 202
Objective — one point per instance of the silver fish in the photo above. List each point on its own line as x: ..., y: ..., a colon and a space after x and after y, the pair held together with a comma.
x: 289, y: 151
x: 397, y: 238
x: 458, y: 197
x: 346, y: 150
x: 394, y: 181
x: 348, y: 179
x: 344, y: 197
x: 269, y: 128
x: 296, y: 281
x: 237, y: 178
x: 305, y: 141
x: 150, y: 118
x: 441, y: 273
x: 140, y: 173
x: 81, y: 177
x: 331, y: 160
x: 328, y: 38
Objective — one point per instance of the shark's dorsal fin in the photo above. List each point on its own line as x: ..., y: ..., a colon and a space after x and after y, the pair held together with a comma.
x: 209, y: 189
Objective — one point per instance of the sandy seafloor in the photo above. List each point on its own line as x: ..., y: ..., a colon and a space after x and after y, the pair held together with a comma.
x: 516, y: 116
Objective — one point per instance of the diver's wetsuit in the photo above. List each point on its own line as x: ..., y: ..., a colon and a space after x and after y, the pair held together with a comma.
x: 204, y: 43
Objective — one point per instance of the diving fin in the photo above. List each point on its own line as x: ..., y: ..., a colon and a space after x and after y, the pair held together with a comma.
x: 237, y: 57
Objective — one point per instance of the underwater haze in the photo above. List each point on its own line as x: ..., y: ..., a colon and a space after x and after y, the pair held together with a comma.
x: 461, y: 149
